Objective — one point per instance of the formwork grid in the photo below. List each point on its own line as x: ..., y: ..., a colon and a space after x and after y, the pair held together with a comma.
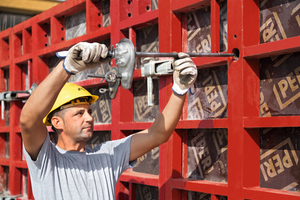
x: 26, y: 49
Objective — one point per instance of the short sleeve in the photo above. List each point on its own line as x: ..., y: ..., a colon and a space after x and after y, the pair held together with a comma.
x: 41, y: 167
x: 120, y: 149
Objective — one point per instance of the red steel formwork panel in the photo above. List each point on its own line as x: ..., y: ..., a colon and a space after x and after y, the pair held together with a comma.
x: 238, y: 136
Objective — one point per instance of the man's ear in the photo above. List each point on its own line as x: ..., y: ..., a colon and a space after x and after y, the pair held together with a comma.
x: 57, y: 122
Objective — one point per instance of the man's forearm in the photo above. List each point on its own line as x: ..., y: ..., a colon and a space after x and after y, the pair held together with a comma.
x: 165, y: 123
x: 44, y: 95
x: 37, y: 107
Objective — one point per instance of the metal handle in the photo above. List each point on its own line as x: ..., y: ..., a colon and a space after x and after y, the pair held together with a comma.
x: 175, y: 55
x: 2, y: 109
x: 110, y: 54
x: 103, y: 90
x: 124, y: 54
x: 14, y: 96
x: 149, y: 90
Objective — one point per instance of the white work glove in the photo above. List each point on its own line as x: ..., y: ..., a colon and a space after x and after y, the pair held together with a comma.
x: 92, y: 55
x: 184, y: 75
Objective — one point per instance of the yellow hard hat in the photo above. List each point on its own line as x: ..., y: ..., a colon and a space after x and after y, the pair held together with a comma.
x: 70, y: 92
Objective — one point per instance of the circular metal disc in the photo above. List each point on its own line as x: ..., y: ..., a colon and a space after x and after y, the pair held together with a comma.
x: 124, y: 56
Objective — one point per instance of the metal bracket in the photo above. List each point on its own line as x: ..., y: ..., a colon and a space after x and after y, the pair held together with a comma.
x: 153, y: 68
x: 14, y: 96
x: 113, y: 78
x: 124, y: 56
x: 114, y: 85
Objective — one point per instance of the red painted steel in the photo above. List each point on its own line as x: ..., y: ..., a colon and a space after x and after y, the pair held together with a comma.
x: 215, y: 26
x: 28, y: 44
x: 257, y: 51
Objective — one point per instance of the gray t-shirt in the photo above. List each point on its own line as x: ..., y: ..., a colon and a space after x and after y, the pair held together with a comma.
x: 58, y: 174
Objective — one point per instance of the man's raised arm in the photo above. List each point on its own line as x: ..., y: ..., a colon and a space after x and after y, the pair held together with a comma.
x: 184, y: 76
x: 42, y: 99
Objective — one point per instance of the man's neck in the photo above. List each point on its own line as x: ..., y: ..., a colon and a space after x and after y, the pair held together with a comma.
x: 70, y: 145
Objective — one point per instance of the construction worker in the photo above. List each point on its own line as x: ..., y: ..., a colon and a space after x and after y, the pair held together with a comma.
x: 69, y: 170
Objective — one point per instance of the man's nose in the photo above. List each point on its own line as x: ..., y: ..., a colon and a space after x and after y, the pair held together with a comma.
x: 88, y: 117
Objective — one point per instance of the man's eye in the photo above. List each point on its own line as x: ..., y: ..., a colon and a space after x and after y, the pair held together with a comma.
x: 79, y: 113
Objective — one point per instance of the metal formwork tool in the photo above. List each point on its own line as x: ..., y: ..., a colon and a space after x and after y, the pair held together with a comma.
x: 14, y: 96
x: 124, y: 55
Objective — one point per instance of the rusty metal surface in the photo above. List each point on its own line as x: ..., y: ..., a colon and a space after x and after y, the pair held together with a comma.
x: 279, y: 158
x: 105, y: 13
x: 145, y: 192
x: 279, y: 19
x: 207, y: 154
x: 198, y: 28
x: 75, y: 25
x: 146, y: 41
x: 148, y: 163
x: 98, y: 138
x: 210, y: 97
x: 280, y: 85
x: 223, y: 27
x: 102, y: 107
x: 143, y: 112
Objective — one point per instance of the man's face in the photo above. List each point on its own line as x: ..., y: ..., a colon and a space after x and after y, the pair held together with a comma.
x: 78, y: 123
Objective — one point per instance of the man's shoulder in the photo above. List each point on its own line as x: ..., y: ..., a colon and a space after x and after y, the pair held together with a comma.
x: 107, y: 145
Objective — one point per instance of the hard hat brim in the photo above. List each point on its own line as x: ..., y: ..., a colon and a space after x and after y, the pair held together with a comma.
x: 46, y: 120
x: 70, y: 92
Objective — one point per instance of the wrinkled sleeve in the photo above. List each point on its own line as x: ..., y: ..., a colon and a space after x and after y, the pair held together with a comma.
x: 40, y: 167
x: 121, y: 152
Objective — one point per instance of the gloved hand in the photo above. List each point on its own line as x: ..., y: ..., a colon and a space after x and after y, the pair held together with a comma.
x: 184, y: 75
x: 92, y: 55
